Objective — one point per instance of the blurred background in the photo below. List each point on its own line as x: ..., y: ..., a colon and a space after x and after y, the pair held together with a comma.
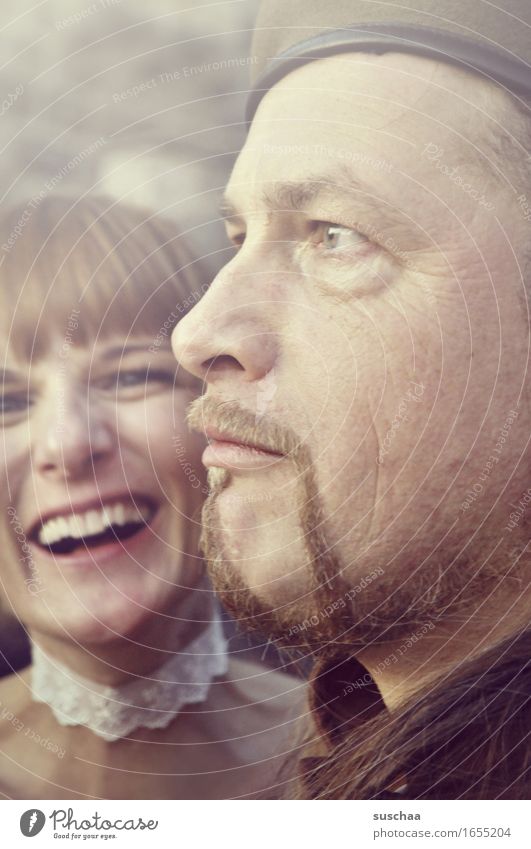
x: 143, y: 102
x: 140, y: 101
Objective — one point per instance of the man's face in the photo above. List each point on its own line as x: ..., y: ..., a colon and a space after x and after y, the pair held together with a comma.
x: 370, y: 330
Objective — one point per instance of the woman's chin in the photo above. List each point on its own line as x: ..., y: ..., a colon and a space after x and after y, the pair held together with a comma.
x: 98, y: 615
x: 101, y: 595
x: 84, y: 625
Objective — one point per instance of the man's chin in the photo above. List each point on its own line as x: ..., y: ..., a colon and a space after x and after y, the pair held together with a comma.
x: 253, y: 614
x: 298, y: 625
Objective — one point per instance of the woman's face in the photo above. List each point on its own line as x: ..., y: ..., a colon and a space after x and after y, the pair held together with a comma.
x: 101, y: 487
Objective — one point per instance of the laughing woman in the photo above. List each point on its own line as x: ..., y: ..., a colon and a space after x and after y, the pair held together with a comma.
x: 130, y: 693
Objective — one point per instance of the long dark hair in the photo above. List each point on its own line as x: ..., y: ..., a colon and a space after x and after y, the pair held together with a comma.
x: 466, y: 737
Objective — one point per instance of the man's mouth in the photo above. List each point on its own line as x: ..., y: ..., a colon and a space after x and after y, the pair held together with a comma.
x: 111, y: 522
x: 227, y: 451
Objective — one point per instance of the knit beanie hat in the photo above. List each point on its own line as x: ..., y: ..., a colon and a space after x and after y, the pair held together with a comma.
x: 488, y: 37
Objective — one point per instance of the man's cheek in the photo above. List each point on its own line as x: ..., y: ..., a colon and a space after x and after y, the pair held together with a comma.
x: 346, y: 442
x: 259, y: 524
x: 347, y: 480
x: 373, y: 465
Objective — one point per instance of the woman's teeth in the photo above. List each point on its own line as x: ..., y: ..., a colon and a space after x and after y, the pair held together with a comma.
x: 93, y: 522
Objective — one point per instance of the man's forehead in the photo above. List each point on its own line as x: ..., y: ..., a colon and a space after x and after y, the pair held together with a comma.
x: 403, y: 82
x: 346, y: 121
x: 300, y: 174
x: 359, y: 80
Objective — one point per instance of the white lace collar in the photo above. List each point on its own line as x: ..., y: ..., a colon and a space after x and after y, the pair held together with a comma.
x: 152, y: 701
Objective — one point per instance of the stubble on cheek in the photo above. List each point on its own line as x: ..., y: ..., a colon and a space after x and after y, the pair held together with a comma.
x: 337, y: 610
x: 334, y: 617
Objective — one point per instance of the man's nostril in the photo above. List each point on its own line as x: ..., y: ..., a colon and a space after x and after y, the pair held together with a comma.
x: 222, y: 363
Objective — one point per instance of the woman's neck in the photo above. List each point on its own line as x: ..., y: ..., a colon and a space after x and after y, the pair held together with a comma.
x: 148, y: 690
x: 144, y: 650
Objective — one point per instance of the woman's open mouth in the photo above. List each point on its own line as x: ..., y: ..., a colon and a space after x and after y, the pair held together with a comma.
x: 110, y: 523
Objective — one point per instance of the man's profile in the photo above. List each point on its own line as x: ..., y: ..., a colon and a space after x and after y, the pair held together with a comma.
x: 374, y: 512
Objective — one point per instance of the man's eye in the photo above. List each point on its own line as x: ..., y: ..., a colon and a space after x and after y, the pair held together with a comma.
x: 336, y: 237
x: 237, y: 239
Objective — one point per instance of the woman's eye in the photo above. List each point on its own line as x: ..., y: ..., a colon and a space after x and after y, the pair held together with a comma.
x: 13, y: 404
x: 337, y: 237
x: 139, y: 377
x: 136, y: 377
x: 131, y: 378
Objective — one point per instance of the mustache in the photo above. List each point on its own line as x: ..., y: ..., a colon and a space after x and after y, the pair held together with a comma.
x: 241, y: 424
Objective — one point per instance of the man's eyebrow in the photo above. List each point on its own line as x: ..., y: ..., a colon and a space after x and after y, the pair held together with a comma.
x: 299, y: 195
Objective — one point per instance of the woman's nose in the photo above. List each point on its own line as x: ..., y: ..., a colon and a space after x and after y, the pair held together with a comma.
x: 72, y: 436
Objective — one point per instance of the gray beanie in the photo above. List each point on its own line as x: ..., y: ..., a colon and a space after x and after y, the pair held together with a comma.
x: 488, y: 37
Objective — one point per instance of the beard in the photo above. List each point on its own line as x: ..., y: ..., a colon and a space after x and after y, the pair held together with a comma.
x: 299, y: 623
x: 334, y: 616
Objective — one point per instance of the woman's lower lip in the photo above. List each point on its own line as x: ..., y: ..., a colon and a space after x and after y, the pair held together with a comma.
x: 235, y: 455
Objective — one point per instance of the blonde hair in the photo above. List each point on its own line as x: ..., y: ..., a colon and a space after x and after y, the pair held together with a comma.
x: 122, y: 269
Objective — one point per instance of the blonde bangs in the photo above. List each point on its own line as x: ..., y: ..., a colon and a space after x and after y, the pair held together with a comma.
x: 116, y: 270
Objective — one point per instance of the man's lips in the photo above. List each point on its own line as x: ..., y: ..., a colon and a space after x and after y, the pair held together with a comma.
x: 228, y: 452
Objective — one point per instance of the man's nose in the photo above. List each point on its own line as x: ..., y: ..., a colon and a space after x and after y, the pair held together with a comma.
x: 229, y: 333
x: 72, y: 437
